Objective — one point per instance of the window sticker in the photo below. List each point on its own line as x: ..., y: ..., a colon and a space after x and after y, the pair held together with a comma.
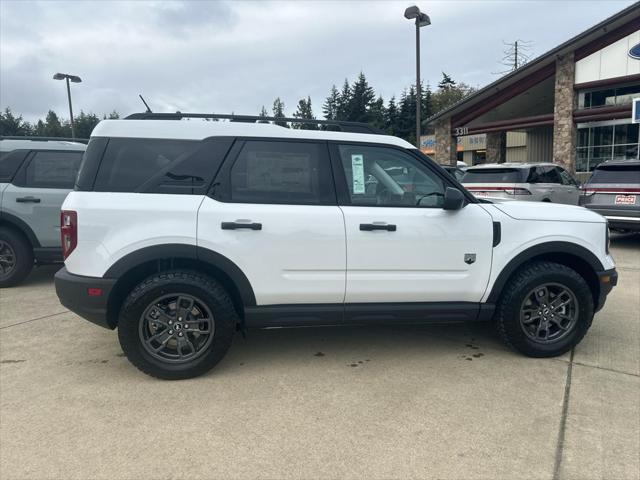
x: 357, y: 169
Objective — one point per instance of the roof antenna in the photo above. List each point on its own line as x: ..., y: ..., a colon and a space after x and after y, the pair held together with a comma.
x: 145, y: 104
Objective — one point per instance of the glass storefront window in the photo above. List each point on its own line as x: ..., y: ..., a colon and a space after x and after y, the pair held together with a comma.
x: 600, y: 142
x: 608, y: 96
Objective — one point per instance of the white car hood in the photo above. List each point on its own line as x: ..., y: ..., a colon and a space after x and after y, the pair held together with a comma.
x: 548, y: 211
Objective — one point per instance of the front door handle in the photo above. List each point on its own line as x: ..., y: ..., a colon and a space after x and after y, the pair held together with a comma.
x: 369, y: 227
x: 237, y: 225
x: 27, y: 200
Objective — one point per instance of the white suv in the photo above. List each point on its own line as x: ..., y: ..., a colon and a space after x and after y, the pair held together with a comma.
x: 181, y: 232
x: 533, y: 182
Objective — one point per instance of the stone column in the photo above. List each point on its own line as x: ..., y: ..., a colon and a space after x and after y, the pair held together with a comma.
x: 496, y: 147
x: 446, y: 144
x: 564, y: 130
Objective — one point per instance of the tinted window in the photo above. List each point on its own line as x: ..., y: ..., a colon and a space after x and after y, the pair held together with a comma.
x: 617, y: 174
x: 282, y: 172
x: 9, y: 163
x: 493, y: 175
x: 159, y: 166
x: 53, y: 169
x: 387, y: 177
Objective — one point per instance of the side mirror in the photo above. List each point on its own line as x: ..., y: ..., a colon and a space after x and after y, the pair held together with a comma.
x: 453, y: 199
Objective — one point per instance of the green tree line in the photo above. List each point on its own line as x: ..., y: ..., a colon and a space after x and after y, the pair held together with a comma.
x: 355, y: 101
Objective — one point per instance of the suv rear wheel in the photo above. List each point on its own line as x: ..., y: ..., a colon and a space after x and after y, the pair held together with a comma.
x: 177, y: 325
x: 16, y: 257
x: 545, y: 310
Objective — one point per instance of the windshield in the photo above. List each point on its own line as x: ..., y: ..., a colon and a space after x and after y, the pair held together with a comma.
x: 493, y: 175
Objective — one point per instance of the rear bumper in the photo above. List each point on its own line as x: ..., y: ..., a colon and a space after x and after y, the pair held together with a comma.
x: 607, y: 280
x: 74, y: 293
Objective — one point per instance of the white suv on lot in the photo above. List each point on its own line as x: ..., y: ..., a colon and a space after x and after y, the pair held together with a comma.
x: 180, y: 232
x: 532, y: 182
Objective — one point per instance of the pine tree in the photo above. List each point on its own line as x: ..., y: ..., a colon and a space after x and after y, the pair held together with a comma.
x: 344, y: 103
x: 446, y: 82
x: 304, y: 111
x: 278, y: 111
x: 330, y: 105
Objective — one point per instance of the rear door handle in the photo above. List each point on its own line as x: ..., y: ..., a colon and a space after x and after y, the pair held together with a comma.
x: 369, y: 227
x: 27, y: 200
x: 237, y: 225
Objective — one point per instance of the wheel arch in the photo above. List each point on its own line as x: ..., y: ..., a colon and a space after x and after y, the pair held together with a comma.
x: 21, y: 226
x: 569, y: 254
x: 136, y: 266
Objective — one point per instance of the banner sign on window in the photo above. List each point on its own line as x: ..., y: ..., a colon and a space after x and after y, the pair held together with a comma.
x: 357, y: 168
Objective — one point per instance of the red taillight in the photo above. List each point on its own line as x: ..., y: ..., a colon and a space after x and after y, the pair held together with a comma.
x: 68, y: 231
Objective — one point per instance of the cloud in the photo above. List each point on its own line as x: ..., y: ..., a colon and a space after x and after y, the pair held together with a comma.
x: 237, y: 56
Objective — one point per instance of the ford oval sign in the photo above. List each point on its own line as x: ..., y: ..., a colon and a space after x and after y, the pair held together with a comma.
x: 635, y: 52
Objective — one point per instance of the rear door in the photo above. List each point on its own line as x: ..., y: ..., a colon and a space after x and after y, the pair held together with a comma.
x: 38, y: 189
x: 273, y: 212
x: 401, y: 245
x: 570, y: 188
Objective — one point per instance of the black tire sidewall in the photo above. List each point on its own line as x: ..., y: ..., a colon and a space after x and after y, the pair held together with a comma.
x: 23, y: 253
x: 205, y: 289
x: 525, y: 282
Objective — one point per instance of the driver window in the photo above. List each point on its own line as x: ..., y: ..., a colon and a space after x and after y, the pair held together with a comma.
x: 385, y: 177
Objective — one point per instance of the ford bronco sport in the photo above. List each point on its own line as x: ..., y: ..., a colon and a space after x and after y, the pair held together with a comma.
x: 181, y: 232
x: 36, y: 174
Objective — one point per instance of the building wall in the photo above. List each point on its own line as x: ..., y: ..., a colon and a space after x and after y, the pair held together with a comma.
x: 610, y: 62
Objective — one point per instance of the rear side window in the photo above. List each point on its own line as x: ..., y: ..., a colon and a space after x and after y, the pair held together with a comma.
x: 9, y: 164
x: 493, y: 175
x: 629, y: 174
x: 52, y: 169
x: 159, y: 165
x: 282, y: 172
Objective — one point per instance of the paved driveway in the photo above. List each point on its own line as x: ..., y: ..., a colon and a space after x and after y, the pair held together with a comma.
x: 383, y: 402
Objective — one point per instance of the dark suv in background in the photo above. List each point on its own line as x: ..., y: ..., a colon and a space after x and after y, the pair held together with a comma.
x: 613, y: 191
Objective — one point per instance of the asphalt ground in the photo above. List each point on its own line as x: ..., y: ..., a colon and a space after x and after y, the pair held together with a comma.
x: 448, y: 402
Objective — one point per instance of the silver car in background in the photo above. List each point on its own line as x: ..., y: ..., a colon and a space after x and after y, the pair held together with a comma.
x: 536, y: 182
x: 613, y: 191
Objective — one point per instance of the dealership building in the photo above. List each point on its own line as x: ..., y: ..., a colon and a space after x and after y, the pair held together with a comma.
x: 572, y: 105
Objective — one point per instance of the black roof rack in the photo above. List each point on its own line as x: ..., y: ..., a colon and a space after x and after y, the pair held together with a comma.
x: 44, y: 139
x: 350, y: 127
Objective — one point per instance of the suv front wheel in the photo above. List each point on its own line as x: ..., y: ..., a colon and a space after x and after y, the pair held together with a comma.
x: 177, y: 325
x: 545, y: 310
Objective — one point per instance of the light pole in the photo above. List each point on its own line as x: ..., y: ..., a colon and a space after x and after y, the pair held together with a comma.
x: 74, y: 79
x: 421, y: 20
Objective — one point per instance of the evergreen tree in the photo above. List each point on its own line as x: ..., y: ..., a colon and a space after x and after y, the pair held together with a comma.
x: 11, y: 125
x: 446, y: 82
x: 330, y: 105
x: 391, y: 116
x: 344, y: 102
x: 362, y: 97
x: 278, y: 111
x: 304, y: 110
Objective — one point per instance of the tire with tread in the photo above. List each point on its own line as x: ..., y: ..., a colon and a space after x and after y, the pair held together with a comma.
x: 23, y: 256
x: 189, y: 282
x: 507, y: 317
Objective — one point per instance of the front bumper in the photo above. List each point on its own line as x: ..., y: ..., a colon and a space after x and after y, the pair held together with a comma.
x: 85, y: 296
x: 607, y: 280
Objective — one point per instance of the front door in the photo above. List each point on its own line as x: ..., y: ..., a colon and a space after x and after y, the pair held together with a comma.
x: 401, y: 245
x: 274, y: 214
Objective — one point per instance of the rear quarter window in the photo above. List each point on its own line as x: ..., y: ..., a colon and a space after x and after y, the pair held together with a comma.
x: 628, y: 174
x: 158, y: 165
x: 493, y: 175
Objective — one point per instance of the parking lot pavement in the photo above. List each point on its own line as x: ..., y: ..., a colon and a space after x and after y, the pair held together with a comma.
x: 382, y: 402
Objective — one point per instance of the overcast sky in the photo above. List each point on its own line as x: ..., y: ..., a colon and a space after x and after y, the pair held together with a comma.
x: 215, y: 56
